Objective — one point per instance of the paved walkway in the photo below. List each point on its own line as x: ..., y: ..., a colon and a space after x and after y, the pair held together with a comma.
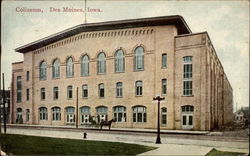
x: 117, y: 129
x: 169, y: 146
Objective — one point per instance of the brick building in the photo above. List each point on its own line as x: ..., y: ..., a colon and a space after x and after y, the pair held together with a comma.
x: 118, y: 67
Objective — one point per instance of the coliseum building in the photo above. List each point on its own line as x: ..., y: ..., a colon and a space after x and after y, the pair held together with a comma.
x: 117, y: 68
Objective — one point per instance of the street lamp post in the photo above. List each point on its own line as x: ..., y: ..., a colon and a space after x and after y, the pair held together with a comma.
x: 158, y: 139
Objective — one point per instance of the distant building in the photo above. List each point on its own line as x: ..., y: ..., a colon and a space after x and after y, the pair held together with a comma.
x: 7, y: 106
x: 242, y: 115
x: 118, y: 67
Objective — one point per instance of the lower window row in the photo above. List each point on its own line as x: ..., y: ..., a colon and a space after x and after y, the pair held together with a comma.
x: 101, y: 114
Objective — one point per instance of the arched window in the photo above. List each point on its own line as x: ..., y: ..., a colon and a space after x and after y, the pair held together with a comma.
x: 69, y: 67
x: 139, y: 58
x: 163, y: 116
x: 43, y: 113
x: 187, y: 108
x: 85, y: 115
x: 101, y: 63
x: 56, y: 113
x: 119, y: 114
x: 139, y: 114
x: 119, y: 61
x: 70, y: 115
x: 85, y: 66
x: 43, y: 70
x: 56, y: 69
x: 102, y: 113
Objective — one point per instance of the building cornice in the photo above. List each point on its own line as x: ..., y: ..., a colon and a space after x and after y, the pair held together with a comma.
x: 176, y: 20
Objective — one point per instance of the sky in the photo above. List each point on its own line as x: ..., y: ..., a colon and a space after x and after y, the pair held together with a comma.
x: 227, y: 23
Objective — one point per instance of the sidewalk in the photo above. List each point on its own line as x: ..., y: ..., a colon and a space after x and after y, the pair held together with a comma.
x: 115, y: 129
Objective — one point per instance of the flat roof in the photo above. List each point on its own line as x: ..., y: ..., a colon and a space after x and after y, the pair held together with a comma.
x: 176, y: 20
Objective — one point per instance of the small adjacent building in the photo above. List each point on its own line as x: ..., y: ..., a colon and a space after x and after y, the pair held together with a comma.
x: 242, y: 115
x: 112, y: 70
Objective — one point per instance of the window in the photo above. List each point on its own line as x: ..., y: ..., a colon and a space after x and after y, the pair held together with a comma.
x: 85, y: 66
x: 119, y: 61
x: 101, y: 90
x: 27, y: 114
x: 19, y: 88
x: 187, y: 116
x: 69, y: 67
x: 27, y: 75
x: 43, y: 113
x: 139, y: 114
x: 102, y: 114
x: 139, y: 59
x: 56, y: 113
x: 55, y: 93
x: 84, y: 91
x: 42, y: 93
x: 101, y: 63
x: 43, y: 70
x: 164, y: 60
x: 70, y: 92
x: 187, y: 108
x: 138, y: 88
x: 163, y: 116
x: 27, y: 94
x: 56, y: 69
x: 164, y: 86
x: 70, y: 115
x: 19, y: 118
x: 119, y: 89
x: 119, y: 114
x: 187, y: 76
x: 85, y: 115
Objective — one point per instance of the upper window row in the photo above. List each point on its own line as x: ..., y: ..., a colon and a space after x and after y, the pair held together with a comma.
x: 101, y: 64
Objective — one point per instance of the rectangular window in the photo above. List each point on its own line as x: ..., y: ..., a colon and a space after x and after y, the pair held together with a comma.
x: 164, y: 119
x: 84, y: 91
x: 55, y: 92
x: 184, y: 120
x: 27, y: 94
x: 27, y: 75
x: 187, y: 76
x: 164, y: 60
x: 70, y: 92
x: 27, y: 114
x: 119, y: 89
x: 101, y: 90
x: 187, y: 90
x: 190, y: 120
x: 164, y: 86
x: 19, y: 88
x: 187, y: 71
x: 42, y: 93
x: 138, y: 88
x: 134, y: 117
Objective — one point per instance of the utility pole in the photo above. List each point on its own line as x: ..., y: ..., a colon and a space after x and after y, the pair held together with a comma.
x: 0, y: 90
x: 85, y: 21
x: 4, y: 113
x: 76, y: 107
